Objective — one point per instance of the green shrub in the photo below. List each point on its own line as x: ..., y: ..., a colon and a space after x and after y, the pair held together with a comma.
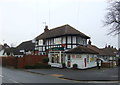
x: 37, y: 66
x: 75, y: 66
x: 45, y: 60
x: 63, y: 65
x: 41, y: 65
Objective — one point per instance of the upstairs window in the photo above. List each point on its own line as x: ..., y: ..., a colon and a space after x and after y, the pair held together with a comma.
x: 74, y: 39
x: 57, y: 40
x: 40, y: 42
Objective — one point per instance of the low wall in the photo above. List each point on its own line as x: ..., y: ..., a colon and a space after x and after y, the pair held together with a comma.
x: 20, y: 62
x: 109, y: 64
x: 29, y: 60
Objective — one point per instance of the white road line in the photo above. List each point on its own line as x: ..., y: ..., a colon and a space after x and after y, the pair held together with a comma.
x: 102, y: 82
x: 13, y: 81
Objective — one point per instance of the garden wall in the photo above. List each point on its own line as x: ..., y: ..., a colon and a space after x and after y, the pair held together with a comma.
x: 20, y: 62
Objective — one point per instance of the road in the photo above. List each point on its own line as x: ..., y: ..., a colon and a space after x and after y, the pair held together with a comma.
x: 20, y: 77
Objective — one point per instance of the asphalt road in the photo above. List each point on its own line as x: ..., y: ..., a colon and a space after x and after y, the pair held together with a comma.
x: 21, y: 77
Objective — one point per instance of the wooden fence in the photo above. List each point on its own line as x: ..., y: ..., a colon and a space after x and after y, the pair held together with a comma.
x: 20, y: 62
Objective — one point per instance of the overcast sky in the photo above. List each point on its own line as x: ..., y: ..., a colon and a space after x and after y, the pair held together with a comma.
x: 22, y: 20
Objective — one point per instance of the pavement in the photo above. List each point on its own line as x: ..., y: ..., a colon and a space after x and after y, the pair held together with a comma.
x: 93, y: 74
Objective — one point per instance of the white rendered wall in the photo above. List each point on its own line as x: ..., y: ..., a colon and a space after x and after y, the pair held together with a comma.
x: 80, y: 61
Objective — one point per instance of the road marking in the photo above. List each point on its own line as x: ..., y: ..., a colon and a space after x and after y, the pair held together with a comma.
x: 80, y: 81
x: 13, y: 81
x: 55, y: 75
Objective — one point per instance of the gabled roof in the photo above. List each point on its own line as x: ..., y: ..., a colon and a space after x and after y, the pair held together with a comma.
x: 12, y: 50
x: 108, y: 51
x: 27, y: 46
x: 1, y: 47
x: 60, y: 31
x: 118, y: 52
x: 81, y: 50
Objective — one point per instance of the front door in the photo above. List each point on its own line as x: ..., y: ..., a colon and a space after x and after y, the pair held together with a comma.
x: 85, y: 61
x: 68, y: 61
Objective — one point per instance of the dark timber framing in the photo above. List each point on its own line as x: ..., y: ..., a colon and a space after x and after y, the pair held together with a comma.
x: 65, y: 32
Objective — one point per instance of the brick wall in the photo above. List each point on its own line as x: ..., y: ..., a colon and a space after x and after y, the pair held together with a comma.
x: 22, y: 61
x: 29, y: 60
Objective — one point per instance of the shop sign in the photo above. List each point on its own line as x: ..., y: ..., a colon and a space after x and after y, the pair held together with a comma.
x: 54, y: 49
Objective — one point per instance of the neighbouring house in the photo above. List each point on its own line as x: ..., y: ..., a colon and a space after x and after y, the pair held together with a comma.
x: 105, y: 54
x: 109, y: 53
x: 1, y: 50
x: 118, y: 57
x: 25, y: 48
x: 118, y: 53
x: 83, y: 56
x: 64, y: 36
x: 4, y: 48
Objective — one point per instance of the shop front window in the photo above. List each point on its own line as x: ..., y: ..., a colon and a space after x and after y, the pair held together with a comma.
x: 54, y: 58
x: 87, y: 58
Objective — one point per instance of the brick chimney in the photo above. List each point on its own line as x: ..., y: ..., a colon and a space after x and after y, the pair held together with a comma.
x: 89, y: 42
x: 46, y: 29
x: 108, y: 46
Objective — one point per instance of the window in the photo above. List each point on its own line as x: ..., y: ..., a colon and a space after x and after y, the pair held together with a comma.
x: 87, y: 58
x: 74, y: 46
x: 74, y: 39
x: 40, y: 48
x: 78, y: 56
x: 73, y: 56
x: 79, y: 40
x: 68, y: 46
x: 69, y: 39
x: 54, y: 58
x: 43, y: 48
x: 40, y: 42
x: 63, y: 40
x: 52, y: 41
x: 57, y: 40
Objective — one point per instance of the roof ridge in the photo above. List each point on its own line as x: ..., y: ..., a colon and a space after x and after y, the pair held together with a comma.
x: 58, y: 27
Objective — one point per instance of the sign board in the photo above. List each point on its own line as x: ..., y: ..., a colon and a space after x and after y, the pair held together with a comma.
x: 55, y: 49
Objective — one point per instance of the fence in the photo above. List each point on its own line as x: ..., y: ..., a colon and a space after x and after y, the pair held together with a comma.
x: 20, y: 62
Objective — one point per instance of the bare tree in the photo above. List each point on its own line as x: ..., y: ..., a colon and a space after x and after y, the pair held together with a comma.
x: 112, y: 18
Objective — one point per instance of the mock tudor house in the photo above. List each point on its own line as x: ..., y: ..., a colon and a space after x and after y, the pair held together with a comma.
x: 57, y: 41
x: 64, y: 36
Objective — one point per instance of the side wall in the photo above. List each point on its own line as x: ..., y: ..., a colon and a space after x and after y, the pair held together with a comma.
x: 83, y: 60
